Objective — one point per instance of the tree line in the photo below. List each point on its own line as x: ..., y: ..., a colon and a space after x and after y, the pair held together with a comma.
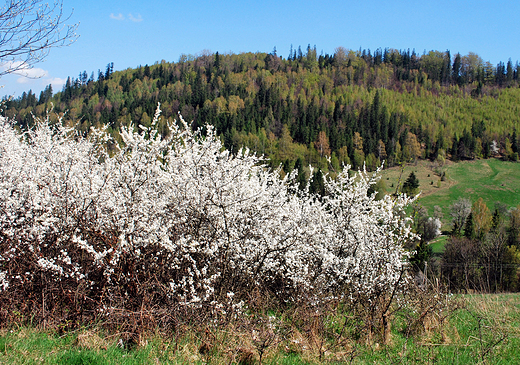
x: 482, y: 251
x: 356, y: 107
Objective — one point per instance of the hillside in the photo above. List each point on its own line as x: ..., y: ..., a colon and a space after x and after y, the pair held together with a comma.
x: 355, y: 106
x: 492, y: 180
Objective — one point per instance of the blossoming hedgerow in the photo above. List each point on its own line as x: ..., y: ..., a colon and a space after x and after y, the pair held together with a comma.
x: 180, y: 212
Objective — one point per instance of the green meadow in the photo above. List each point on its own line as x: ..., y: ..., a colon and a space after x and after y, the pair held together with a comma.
x: 493, y: 180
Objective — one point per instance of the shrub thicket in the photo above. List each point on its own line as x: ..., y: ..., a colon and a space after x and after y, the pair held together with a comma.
x: 177, y: 225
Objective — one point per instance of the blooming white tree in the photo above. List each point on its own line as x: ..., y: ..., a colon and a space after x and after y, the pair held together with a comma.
x: 432, y: 228
x: 494, y: 147
x: 181, y: 220
x: 459, y: 212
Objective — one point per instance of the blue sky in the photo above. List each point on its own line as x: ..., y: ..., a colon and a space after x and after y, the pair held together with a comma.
x: 130, y: 33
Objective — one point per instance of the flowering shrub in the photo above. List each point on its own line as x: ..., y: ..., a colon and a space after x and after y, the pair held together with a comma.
x: 166, y: 222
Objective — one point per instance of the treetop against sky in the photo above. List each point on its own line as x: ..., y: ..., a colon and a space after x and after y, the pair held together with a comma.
x: 133, y: 33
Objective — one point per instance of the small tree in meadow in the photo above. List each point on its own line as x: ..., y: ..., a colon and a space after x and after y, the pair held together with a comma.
x: 411, y: 185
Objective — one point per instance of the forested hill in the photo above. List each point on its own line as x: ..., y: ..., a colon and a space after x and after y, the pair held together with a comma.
x: 353, y: 106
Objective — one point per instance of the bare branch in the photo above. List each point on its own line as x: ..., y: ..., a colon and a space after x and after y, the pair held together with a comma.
x: 28, y: 30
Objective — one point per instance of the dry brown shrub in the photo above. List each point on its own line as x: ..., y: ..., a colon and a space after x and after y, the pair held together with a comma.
x: 91, y: 340
x: 427, y: 310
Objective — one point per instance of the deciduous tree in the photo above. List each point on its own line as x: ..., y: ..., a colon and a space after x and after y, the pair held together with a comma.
x: 166, y: 222
x: 481, y: 218
x: 459, y: 211
x: 322, y: 144
x: 28, y: 30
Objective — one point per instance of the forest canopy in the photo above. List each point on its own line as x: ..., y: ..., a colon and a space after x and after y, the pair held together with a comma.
x: 352, y: 106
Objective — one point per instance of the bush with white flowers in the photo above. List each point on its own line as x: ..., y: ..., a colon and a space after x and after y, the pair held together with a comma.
x: 177, y: 220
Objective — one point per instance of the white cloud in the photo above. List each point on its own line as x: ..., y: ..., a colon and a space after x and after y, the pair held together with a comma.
x: 31, y: 73
x: 17, y: 68
x: 134, y: 18
x: 117, y: 17
x: 35, y: 79
x: 24, y: 80
x: 4, y: 66
x: 137, y: 19
x: 56, y: 82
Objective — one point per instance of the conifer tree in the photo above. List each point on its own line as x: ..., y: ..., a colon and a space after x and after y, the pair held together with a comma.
x: 317, y: 185
x: 411, y: 184
x: 301, y: 180
x: 469, y: 227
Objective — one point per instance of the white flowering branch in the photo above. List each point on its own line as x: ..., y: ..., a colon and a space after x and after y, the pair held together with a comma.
x: 182, y: 218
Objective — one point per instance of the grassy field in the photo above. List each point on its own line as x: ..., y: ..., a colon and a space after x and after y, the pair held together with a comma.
x: 437, y: 244
x: 484, y: 330
x: 492, y: 180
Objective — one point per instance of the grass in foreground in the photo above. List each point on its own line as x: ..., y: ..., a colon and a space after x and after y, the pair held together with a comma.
x: 485, y: 331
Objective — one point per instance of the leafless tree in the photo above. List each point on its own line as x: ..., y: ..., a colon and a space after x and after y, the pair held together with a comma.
x: 459, y: 212
x: 28, y: 30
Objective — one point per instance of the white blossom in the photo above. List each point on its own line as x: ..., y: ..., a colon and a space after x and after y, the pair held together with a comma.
x: 208, y: 215
x: 4, y: 284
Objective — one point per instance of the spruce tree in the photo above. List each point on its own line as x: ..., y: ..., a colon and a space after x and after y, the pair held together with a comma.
x: 411, y: 184
x: 300, y: 178
x: 317, y: 185
x: 469, y: 227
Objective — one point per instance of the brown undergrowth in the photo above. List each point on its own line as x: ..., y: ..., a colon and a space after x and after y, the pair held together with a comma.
x: 311, y: 327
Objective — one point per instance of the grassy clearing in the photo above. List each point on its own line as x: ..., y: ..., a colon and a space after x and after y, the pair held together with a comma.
x: 485, y: 330
x: 493, y: 180
x: 437, y: 245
